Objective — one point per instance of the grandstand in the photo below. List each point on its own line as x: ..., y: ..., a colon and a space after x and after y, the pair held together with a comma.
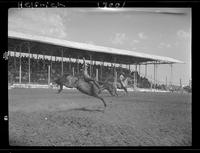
x: 39, y: 60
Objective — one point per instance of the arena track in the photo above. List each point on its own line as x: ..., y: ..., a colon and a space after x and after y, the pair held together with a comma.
x: 41, y: 117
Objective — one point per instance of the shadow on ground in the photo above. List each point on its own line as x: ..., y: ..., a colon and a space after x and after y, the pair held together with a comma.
x: 87, y: 109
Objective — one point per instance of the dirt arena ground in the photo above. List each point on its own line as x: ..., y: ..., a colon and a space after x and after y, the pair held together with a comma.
x: 41, y: 117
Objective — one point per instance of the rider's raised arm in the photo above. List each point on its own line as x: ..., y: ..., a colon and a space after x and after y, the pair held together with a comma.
x: 86, y: 75
x: 84, y: 66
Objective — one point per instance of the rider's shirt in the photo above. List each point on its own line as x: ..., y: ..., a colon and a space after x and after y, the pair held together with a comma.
x: 121, y: 77
x: 86, y: 75
x: 85, y: 72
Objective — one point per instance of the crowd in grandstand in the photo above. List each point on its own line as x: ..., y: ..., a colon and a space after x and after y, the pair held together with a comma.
x: 39, y: 71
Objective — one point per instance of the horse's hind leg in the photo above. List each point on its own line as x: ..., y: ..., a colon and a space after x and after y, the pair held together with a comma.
x: 115, y: 91
x: 102, y: 101
x: 125, y: 90
x: 95, y: 94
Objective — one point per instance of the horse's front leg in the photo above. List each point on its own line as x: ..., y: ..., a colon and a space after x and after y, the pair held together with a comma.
x: 61, y: 88
x: 125, y: 89
x: 101, y: 89
x: 95, y: 93
x: 116, y: 92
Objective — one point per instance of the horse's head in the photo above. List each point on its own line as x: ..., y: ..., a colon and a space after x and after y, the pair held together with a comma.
x: 54, y: 83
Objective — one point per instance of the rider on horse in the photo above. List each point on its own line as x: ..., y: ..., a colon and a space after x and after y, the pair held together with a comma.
x: 87, y: 78
x: 122, y: 78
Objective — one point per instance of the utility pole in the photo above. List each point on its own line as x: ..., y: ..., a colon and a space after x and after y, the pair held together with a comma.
x: 171, y: 77
x: 135, y: 77
x: 145, y: 70
x: 62, y: 62
x: 29, y: 65
x: 49, y: 78
x: 180, y: 83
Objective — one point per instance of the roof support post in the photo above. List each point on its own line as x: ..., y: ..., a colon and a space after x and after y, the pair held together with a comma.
x: 73, y: 71
x: 102, y: 64
x: 139, y: 75
x: 135, y: 77
x: 120, y: 66
x: 51, y: 66
x: 69, y: 64
x: 29, y: 66
x: 154, y: 74
x: 157, y: 82
x: 15, y: 67
x: 62, y: 62
x: 20, y: 66
x: 90, y: 65
x: 37, y: 66
x: 43, y: 61
x: 145, y: 70
x: 20, y: 74
x: 97, y: 74
x: 171, y: 75
x: 180, y: 83
x: 115, y: 72
x: 49, y: 78
x: 139, y: 69
x: 78, y: 65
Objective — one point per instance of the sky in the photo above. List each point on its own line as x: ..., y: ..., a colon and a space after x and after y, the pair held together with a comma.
x: 142, y: 30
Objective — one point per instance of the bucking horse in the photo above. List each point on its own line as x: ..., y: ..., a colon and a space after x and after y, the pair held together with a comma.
x: 80, y: 84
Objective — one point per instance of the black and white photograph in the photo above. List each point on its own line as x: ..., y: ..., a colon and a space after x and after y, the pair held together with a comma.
x: 99, y: 76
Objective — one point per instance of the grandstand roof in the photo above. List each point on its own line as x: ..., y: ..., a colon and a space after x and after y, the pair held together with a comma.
x: 98, y: 53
